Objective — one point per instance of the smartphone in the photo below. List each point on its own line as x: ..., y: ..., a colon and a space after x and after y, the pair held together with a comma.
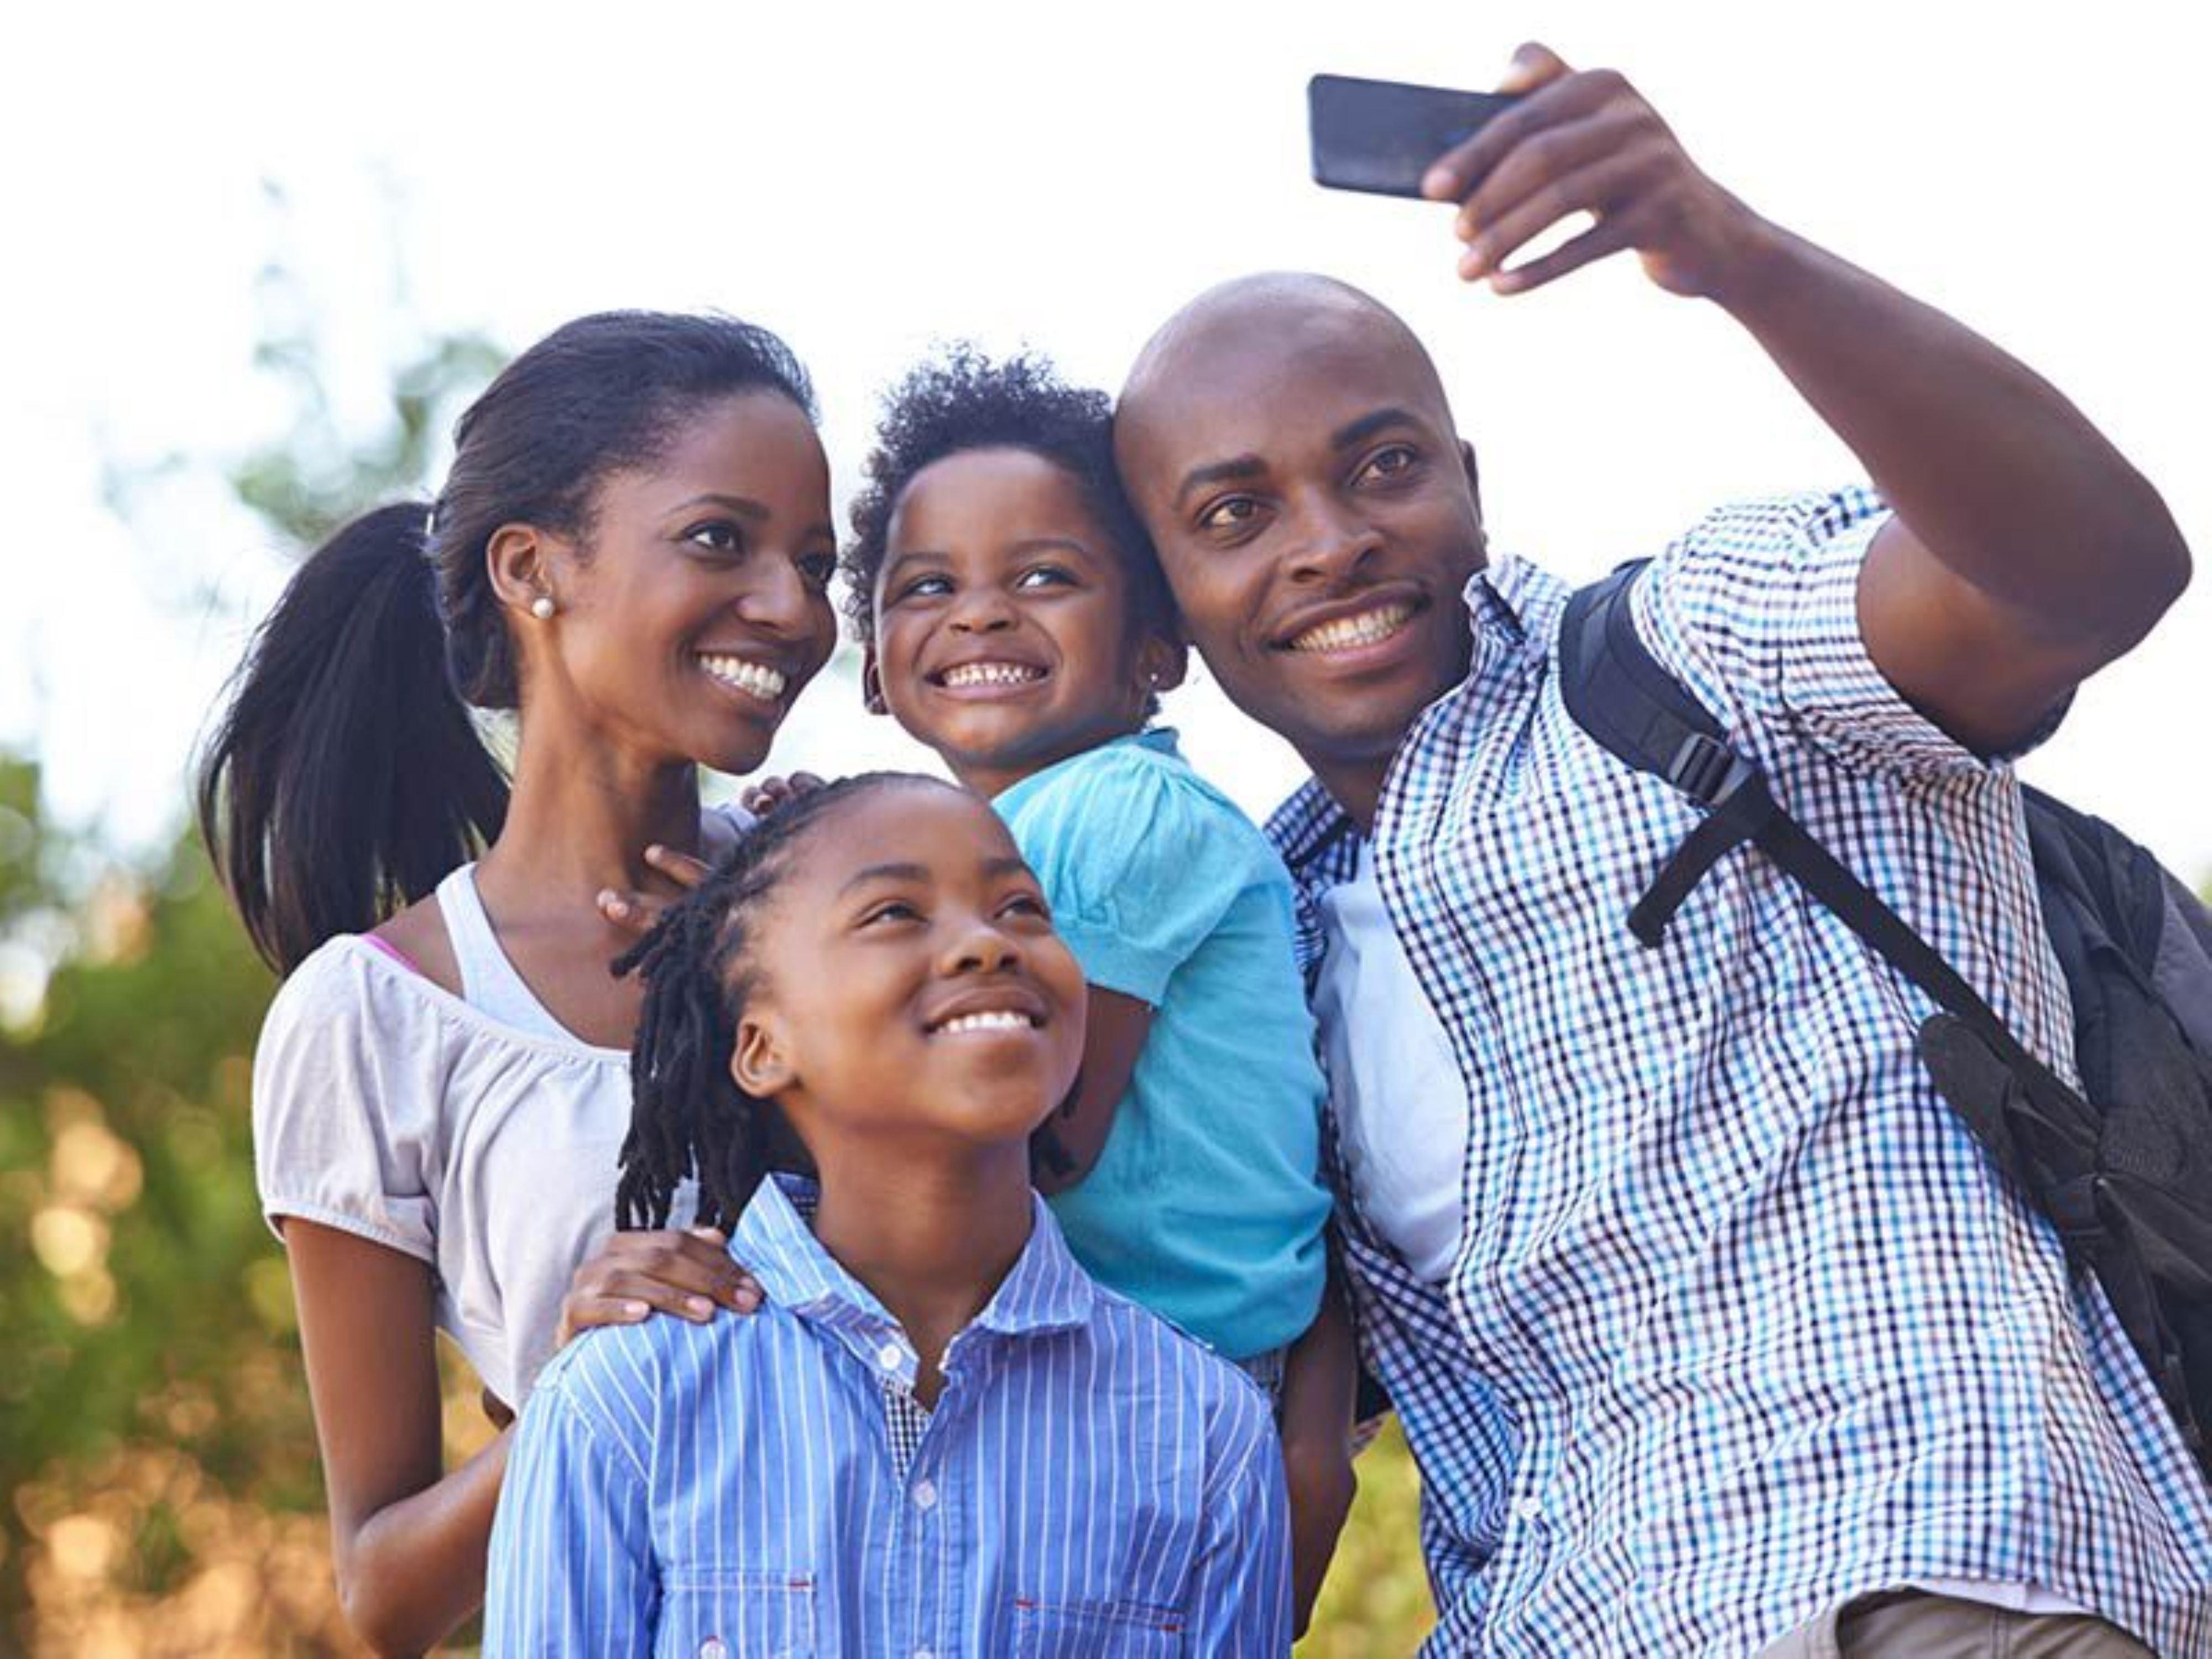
x: 1381, y: 136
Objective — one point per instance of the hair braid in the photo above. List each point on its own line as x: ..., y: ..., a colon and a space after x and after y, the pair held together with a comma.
x: 688, y: 1116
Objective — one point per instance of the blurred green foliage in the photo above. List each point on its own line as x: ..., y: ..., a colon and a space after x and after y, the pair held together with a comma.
x: 1376, y: 1601
x: 318, y: 478
x: 154, y: 1443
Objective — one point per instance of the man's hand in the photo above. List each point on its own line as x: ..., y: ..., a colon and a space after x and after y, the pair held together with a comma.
x: 1587, y: 143
x: 2025, y: 552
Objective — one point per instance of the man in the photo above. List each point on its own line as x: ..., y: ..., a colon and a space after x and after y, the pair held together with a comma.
x: 1711, y: 1328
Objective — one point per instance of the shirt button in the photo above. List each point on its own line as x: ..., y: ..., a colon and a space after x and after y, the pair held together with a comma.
x: 888, y: 1356
x: 713, y: 1648
x: 925, y: 1494
x: 1529, y: 1510
x: 924, y: 1653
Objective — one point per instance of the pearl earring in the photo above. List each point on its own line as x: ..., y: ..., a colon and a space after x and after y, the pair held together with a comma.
x: 542, y: 607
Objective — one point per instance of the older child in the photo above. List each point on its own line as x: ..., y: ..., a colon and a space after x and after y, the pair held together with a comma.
x: 938, y: 1436
x: 1016, y: 623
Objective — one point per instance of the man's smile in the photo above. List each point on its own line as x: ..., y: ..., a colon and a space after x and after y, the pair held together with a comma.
x: 1370, y: 626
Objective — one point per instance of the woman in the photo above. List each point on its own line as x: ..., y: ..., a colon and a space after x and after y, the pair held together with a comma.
x: 633, y: 552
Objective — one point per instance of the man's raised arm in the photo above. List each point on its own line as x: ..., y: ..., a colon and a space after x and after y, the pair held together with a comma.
x: 2025, y: 552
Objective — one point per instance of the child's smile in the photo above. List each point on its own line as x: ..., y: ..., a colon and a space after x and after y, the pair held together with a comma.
x: 990, y: 677
x: 1002, y: 629
x: 988, y: 1021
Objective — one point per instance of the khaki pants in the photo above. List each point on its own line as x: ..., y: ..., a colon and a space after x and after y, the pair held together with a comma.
x: 1912, y: 1624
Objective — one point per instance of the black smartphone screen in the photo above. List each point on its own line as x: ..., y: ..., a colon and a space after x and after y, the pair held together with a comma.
x: 1381, y: 136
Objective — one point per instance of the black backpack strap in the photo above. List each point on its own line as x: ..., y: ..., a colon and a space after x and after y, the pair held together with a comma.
x: 2035, y: 1129
x: 1619, y: 693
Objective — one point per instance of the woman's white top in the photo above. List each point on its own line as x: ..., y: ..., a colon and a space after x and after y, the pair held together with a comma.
x: 1400, y: 1102
x: 473, y: 1132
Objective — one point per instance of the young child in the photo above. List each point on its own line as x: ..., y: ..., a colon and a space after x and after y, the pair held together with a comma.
x: 1016, y: 623
x: 938, y: 1436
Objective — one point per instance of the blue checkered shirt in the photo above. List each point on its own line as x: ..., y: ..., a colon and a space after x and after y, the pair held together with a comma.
x: 1740, y: 1325
x: 1089, y: 1481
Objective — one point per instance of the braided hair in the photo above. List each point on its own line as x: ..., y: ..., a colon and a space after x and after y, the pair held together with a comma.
x: 688, y: 1115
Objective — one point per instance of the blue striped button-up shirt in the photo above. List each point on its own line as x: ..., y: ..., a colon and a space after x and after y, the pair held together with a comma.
x: 1089, y: 1481
x: 1741, y: 1324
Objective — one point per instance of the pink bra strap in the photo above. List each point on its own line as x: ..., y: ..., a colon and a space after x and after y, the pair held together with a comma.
x: 393, y: 952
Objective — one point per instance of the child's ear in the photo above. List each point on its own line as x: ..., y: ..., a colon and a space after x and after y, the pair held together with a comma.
x: 872, y: 682
x: 759, y: 1063
x: 1162, y: 662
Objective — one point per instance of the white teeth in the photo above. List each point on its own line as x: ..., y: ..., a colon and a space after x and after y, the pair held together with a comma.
x: 1007, y: 1021
x: 992, y: 673
x: 1345, y: 632
x: 755, y: 678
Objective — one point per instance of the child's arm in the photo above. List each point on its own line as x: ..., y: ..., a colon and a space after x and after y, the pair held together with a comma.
x: 1070, y: 1142
x: 1320, y: 1386
x: 571, y: 1553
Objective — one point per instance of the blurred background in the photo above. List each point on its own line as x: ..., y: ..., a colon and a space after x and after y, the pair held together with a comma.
x: 260, y: 257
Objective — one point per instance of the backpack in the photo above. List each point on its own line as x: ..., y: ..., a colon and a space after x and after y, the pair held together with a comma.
x: 2121, y: 1168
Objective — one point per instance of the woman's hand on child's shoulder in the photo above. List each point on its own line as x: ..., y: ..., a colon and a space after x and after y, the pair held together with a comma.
x: 685, y: 1272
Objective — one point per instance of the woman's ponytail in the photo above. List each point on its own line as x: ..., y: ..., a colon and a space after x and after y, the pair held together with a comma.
x: 346, y: 777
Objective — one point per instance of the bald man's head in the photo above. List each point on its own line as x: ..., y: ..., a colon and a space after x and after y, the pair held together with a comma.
x: 1289, y: 445
x: 1266, y: 318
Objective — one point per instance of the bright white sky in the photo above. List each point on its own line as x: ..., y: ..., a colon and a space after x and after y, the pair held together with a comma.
x: 864, y: 180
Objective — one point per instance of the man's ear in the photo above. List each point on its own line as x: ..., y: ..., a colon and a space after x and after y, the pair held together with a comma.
x: 872, y: 682
x: 1162, y: 662
x: 1474, y: 477
x: 759, y: 1062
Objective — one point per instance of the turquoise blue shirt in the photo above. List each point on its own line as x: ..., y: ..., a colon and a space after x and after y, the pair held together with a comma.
x: 1206, y: 1205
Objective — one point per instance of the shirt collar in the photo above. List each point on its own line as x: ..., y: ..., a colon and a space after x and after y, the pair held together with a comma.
x: 1315, y: 837
x: 1045, y: 1291
x: 1499, y: 596
x: 1161, y: 739
x: 1309, y: 830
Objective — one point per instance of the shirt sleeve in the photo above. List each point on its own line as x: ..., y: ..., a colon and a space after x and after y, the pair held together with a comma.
x: 1755, y: 609
x: 571, y: 1569
x: 721, y: 827
x: 1240, y: 1588
x: 347, y: 1105
x: 1140, y: 862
